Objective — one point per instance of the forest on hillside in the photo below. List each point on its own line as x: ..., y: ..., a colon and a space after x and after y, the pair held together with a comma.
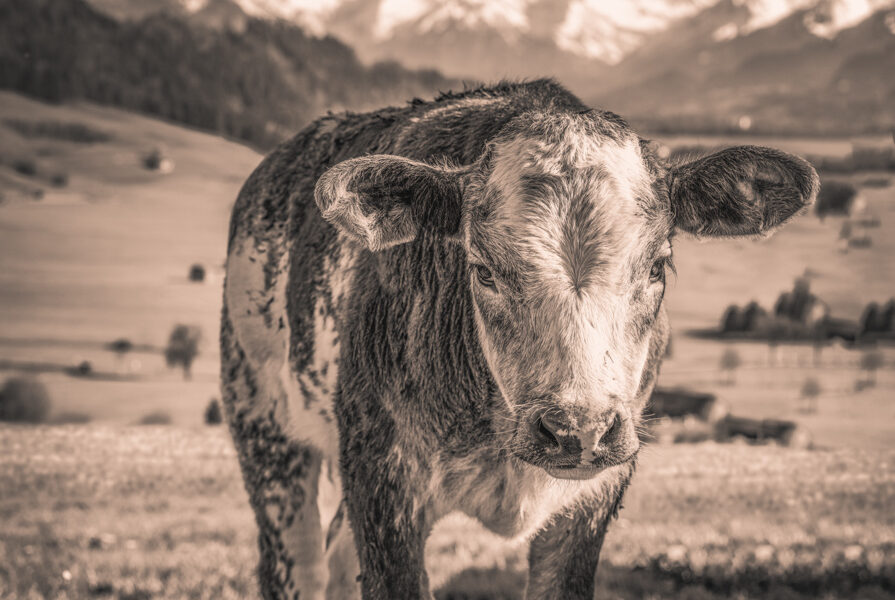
x: 258, y: 85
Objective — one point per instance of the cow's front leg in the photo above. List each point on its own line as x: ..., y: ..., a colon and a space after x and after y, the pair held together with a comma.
x: 388, y: 532
x: 563, y: 557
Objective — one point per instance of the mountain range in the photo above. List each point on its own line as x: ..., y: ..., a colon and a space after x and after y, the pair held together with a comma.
x: 769, y: 66
x: 797, y: 66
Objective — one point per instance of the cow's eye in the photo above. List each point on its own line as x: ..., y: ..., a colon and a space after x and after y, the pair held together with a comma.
x: 484, y: 276
x: 657, y: 272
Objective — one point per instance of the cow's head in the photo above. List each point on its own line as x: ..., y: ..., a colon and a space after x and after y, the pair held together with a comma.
x: 566, y: 221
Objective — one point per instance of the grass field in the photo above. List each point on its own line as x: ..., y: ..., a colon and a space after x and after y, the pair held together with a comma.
x: 111, y: 509
x: 139, y: 512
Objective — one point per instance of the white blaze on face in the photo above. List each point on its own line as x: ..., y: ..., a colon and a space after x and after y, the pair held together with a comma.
x: 572, y: 213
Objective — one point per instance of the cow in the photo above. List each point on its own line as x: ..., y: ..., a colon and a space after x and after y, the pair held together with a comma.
x: 457, y: 305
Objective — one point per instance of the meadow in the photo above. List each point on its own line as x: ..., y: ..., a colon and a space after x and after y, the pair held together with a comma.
x: 113, y: 509
x: 141, y: 512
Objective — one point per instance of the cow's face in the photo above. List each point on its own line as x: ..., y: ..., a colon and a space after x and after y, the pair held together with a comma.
x: 566, y: 224
x: 568, y: 241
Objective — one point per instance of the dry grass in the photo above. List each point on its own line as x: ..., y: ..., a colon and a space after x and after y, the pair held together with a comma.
x: 140, y: 512
x: 111, y: 510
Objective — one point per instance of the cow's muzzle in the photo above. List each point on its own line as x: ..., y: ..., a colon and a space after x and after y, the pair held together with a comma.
x: 579, y: 448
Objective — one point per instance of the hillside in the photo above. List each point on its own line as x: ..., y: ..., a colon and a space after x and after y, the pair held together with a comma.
x: 256, y: 81
x: 103, y: 253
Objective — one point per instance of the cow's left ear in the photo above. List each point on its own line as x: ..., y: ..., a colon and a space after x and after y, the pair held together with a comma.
x: 382, y: 200
x: 745, y: 190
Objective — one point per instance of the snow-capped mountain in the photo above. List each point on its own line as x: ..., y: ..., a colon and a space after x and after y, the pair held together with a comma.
x: 796, y: 62
x: 603, y: 30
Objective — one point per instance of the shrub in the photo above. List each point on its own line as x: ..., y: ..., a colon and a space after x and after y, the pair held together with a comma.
x: 864, y: 241
x: 59, y: 180
x: 197, y: 273
x: 82, y: 369
x: 71, y: 418
x: 158, y: 417
x: 120, y: 346
x: 24, y: 400
x: 25, y: 166
x: 152, y: 160
x: 183, y: 347
x: 835, y: 198
x: 213, y: 414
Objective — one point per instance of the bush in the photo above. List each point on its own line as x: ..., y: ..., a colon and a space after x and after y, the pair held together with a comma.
x: 213, y: 414
x: 59, y: 180
x: 864, y: 241
x: 158, y: 417
x: 835, y: 198
x: 82, y: 369
x: 197, y: 273
x: 182, y: 348
x: 24, y: 400
x: 25, y: 166
x: 71, y: 418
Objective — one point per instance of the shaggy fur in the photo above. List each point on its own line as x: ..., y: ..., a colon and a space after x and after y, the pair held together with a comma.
x: 415, y: 295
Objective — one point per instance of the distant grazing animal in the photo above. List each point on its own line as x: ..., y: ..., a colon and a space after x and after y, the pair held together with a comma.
x: 457, y: 305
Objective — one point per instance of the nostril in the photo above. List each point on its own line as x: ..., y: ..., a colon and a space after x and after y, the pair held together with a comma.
x: 546, y: 434
x: 614, y: 428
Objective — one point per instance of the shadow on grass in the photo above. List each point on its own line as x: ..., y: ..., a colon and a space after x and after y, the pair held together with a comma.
x: 655, y: 582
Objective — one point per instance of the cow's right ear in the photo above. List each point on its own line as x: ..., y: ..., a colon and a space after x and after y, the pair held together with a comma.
x: 382, y: 200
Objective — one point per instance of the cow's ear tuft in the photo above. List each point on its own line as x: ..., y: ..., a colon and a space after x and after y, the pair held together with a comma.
x: 745, y: 190
x: 384, y: 200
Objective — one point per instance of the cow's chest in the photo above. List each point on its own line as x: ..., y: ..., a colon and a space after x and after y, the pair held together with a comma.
x: 509, y: 497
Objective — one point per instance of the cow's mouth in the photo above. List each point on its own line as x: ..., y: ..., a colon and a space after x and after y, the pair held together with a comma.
x: 579, y: 473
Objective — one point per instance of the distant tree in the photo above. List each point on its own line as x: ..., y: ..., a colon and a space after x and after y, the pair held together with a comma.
x: 730, y: 320
x: 24, y: 400
x: 182, y: 348
x: 870, y: 362
x: 213, y: 414
x: 197, y: 273
x: 845, y: 231
x: 868, y: 324
x: 810, y: 391
x: 751, y: 315
x: 782, y: 305
x: 776, y: 332
x: 120, y: 347
x: 835, y: 198
x: 886, y: 319
x: 730, y: 362
x: 818, y: 340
